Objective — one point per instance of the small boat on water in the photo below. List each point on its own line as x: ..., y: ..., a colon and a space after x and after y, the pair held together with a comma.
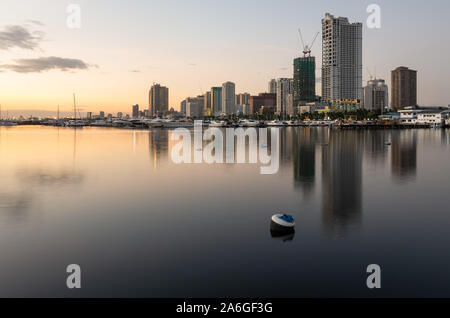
x: 282, y: 223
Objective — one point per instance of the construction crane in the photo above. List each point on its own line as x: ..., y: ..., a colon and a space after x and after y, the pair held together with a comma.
x: 307, y: 48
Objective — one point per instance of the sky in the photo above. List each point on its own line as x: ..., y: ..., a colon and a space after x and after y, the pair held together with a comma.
x: 192, y: 45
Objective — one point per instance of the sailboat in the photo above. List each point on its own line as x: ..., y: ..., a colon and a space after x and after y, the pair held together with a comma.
x: 75, y: 123
x: 6, y: 122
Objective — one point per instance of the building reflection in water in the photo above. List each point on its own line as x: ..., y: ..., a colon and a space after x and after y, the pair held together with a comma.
x: 404, y: 154
x: 342, y: 182
x: 158, y: 144
x: 376, y: 146
x: 304, y: 152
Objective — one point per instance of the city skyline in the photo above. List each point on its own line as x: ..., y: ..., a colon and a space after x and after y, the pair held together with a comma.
x: 110, y: 66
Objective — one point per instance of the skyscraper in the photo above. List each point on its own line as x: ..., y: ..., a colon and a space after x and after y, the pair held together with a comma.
x: 284, y: 89
x: 341, y: 59
x: 304, y: 80
x: 158, y: 100
x: 228, y: 98
x: 375, y: 95
x: 216, y: 101
x: 135, y: 111
x: 404, y: 87
x: 207, y: 104
x: 272, y: 89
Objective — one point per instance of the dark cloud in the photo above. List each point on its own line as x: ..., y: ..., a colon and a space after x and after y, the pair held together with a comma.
x: 19, y: 36
x: 44, y: 64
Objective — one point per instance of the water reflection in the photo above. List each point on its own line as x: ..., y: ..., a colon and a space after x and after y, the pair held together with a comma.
x: 404, y: 155
x: 342, y: 182
x: 158, y: 144
x: 304, y: 152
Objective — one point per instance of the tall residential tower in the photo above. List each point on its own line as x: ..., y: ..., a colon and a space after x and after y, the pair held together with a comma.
x: 341, y: 59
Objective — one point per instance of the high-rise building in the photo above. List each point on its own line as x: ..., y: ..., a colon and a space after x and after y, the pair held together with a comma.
x: 135, y: 111
x: 102, y: 114
x: 195, y: 106
x: 183, y: 107
x: 304, y: 80
x: 207, y: 104
x: 341, y: 59
x: 242, y: 99
x: 228, y: 98
x: 375, y: 95
x: 216, y: 101
x: 158, y: 100
x: 272, y: 89
x: 119, y: 115
x: 284, y: 88
x: 404, y: 87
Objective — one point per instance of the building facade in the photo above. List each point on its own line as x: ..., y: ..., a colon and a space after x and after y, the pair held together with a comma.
x: 265, y: 100
x: 272, y: 88
x: 304, y: 80
x: 404, y: 87
x: 375, y: 95
x: 216, y: 101
x: 341, y: 59
x: 285, y: 87
x: 135, y: 111
x: 207, y: 104
x: 228, y: 98
x: 158, y: 100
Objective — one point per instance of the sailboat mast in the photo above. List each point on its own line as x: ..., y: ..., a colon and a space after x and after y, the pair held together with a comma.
x: 74, y: 107
x: 58, y: 113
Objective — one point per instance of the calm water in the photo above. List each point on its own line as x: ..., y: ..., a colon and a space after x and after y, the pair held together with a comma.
x: 139, y: 225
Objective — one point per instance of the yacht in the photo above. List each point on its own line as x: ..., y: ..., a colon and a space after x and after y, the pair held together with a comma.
x: 216, y: 123
x: 156, y: 123
x: 75, y: 123
x: 276, y: 123
x: 7, y: 123
x: 249, y: 123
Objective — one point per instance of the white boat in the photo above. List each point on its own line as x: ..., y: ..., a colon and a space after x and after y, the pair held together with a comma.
x: 98, y: 123
x: 216, y: 123
x: 75, y: 123
x: 276, y: 123
x: 249, y: 123
x: 7, y: 123
x: 156, y: 123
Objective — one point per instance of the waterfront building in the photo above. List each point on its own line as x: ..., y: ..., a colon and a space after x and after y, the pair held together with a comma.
x: 375, y: 95
x: 119, y: 115
x: 266, y: 100
x: 284, y: 89
x: 195, y: 106
x: 102, y: 114
x: 228, y: 98
x: 207, y: 104
x: 404, y: 87
x: 135, y: 111
x: 158, y: 100
x: 216, y: 101
x: 183, y: 107
x: 272, y: 89
x: 304, y: 80
x: 341, y: 59
x: 243, y: 99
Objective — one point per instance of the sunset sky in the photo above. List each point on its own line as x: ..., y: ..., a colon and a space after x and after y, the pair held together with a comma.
x: 191, y: 45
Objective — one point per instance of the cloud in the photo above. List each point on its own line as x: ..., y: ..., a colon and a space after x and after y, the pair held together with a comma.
x: 135, y: 71
x: 36, y: 22
x: 19, y: 36
x: 44, y: 64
